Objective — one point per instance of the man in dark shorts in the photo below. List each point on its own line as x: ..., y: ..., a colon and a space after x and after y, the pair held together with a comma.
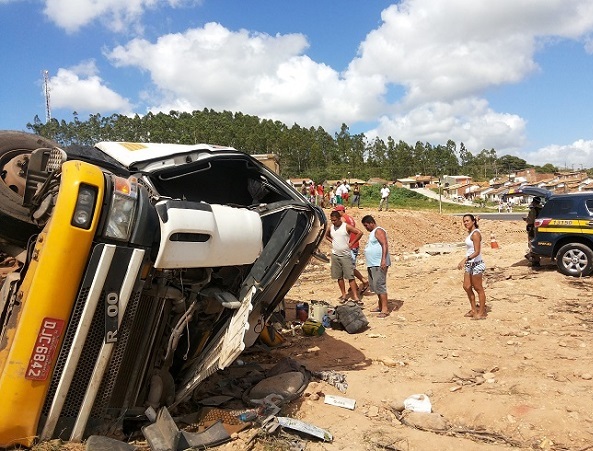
x: 378, y: 261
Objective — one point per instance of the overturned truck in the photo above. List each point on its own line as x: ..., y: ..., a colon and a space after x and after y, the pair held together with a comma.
x: 130, y: 273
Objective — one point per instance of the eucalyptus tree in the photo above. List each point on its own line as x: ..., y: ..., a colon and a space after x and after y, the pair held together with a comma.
x: 465, y: 157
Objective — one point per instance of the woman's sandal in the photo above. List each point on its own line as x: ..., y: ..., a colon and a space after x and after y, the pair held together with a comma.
x: 382, y: 315
x: 376, y: 310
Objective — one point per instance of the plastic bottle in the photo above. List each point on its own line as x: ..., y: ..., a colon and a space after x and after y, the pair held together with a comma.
x: 249, y: 415
x: 325, y: 321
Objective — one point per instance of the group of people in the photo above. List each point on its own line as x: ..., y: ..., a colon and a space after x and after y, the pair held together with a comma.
x: 502, y: 206
x: 314, y: 192
x: 345, y: 240
x: 342, y: 193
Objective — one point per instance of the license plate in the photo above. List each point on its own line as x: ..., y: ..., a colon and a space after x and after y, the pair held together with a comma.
x: 45, y: 348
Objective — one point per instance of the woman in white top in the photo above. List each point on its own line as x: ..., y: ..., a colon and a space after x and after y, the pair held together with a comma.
x: 474, y: 268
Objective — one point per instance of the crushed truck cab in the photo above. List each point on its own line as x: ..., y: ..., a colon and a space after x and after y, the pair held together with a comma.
x: 137, y: 271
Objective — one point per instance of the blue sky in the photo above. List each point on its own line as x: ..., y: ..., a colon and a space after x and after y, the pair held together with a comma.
x: 513, y: 75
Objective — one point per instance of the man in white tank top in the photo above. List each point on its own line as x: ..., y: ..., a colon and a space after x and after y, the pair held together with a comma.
x: 342, y: 268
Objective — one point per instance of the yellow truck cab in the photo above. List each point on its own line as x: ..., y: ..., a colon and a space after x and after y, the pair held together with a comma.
x: 136, y: 271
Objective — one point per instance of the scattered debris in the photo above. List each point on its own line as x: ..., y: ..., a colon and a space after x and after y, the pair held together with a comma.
x: 301, y: 426
x: 164, y: 435
x: 418, y: 403
x: 444, y: 429
x: 340, y: 401
x: 332, y: 377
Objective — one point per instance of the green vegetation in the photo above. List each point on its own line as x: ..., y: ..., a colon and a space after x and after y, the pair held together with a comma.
x: 401, y: 198
x: 303, y: 152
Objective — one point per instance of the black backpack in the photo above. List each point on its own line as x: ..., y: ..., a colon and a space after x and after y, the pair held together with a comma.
x: 351, y: 316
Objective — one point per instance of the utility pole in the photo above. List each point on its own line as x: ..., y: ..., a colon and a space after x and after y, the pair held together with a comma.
x: 46, y: 93
x: 440, y: 195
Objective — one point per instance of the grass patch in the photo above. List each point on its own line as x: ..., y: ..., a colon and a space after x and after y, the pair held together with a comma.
x: 402, y: 198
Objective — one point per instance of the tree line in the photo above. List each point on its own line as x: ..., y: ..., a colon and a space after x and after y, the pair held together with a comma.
x: 303, y: 152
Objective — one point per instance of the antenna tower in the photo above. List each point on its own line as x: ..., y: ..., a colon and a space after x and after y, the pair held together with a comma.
x: 46, y: 92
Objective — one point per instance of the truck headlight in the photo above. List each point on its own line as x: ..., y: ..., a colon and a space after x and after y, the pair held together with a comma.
x: 85, y: 205
x: 122, y: 208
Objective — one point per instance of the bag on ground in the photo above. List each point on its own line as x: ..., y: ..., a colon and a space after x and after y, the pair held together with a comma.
x: 313, y: 328
x: 351, y: 316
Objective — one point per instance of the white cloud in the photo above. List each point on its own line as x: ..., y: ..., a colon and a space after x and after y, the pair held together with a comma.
x: 425, y: 71
x: 577, y: 155
x: 116, y: 15
x: 442, y: 51
x: 255, y: 73
x: 80, y: 89
x: 470, y: 121
x: 446, y: 55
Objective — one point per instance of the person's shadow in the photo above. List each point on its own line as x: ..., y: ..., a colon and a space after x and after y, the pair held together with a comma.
x: 394, y: 304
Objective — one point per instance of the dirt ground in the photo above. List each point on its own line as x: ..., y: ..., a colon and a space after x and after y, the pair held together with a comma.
x: 521, y: 379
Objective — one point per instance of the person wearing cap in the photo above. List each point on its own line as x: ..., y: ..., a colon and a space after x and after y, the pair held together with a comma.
x: 353, y: 249
x: 534, y: 209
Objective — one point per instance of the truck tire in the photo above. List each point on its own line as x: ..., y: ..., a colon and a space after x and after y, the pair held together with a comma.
x: 15, y: 223
x: 575, y: 259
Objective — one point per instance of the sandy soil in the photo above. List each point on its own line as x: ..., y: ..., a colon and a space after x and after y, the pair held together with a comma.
x: 521, y: 379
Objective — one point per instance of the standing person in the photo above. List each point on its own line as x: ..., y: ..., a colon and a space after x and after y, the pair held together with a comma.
x: 354, y: 248
x: 378, y: 262
x: 355, y: 195
x: 319, y: 199
x: 338, y: 233
x: 346, y: 193
x: 474, y: 268
x: 534, y: 209
x: 312, y: 192
x: 332, y: 197
x: 304, y: 188
x: 340, y: 191
x: 384, y: 197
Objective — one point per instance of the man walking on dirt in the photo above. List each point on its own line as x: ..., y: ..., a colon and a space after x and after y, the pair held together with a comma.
x: 378, y: 261
x: 384, y: 203
x: 339, y: 234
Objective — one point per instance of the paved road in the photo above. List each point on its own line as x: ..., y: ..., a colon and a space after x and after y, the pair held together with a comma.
x: 495, y: 216
x: 503, y: 216
x: 430, y: 193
